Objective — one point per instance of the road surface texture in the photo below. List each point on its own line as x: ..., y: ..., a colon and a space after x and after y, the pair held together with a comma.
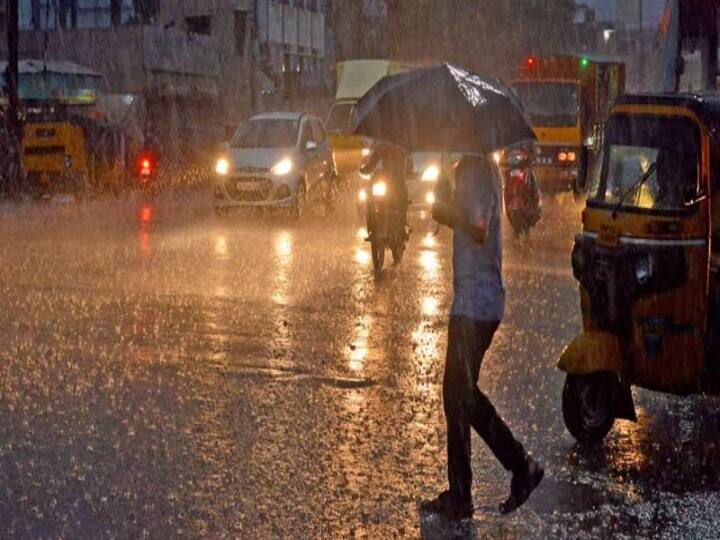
x: 168, y: 373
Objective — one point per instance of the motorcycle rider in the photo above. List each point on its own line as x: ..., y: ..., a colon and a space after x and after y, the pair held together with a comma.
x: 394, y: 161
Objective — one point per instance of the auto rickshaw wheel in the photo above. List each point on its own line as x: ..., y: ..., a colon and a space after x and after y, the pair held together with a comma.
x: 588, y: 404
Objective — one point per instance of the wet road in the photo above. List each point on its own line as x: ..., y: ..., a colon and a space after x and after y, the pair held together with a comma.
x: 164, y: 372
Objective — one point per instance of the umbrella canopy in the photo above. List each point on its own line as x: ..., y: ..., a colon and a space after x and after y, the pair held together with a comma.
x: 442, y: 109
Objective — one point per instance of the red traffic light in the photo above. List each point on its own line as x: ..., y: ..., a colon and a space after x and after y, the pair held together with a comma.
x: 530, y: 61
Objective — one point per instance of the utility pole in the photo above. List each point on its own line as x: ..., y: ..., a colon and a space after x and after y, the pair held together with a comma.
x: 13, y: 122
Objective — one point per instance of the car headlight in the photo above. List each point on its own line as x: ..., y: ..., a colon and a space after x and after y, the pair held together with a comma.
x: 222, y: 167
x: 282, y: 167
x: 431, y: 173
x: 362, y: 195
x: 379, y: 189
x: 643, y: 270
x: 497, y: 157
x: 430, y: 198
x: 365, y: 152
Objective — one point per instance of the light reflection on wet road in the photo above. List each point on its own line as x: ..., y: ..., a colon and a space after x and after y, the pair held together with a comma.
x: 167, y: 372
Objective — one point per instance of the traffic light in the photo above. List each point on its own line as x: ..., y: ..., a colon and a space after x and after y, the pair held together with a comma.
x: 584, y: 62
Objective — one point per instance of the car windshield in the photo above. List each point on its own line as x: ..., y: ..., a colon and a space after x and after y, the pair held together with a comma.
x: 549, y: 104
x: 266, y: 133
x: 339, y: 118
x: 647, y: 162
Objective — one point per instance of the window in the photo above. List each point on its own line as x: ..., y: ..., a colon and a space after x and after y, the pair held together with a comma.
x: 199, y: 24
x: 307, y: 134
x: 648, y: 162
x: 265, y: 133
x: 549, y: 104
x: 240, y: 32
x: 339, y: 118
x: 318, y: 131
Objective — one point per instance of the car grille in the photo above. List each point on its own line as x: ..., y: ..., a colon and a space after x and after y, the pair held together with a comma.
x: 249, y: 189
x: 249, y: 169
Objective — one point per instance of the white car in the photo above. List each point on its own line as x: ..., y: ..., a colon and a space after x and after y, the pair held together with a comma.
x: 276, y: 160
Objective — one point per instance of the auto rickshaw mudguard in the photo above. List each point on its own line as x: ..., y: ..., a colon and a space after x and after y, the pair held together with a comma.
x: 599, y: 351
x: 591, y: 352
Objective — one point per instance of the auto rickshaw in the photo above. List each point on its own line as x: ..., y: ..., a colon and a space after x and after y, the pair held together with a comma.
x: 71, y: 153
x: 648, y: 262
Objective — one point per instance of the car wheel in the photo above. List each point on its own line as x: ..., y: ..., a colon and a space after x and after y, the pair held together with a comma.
x: 588, y: 405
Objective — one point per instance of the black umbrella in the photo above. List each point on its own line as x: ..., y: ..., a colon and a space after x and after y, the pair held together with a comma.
x: 442, y: 109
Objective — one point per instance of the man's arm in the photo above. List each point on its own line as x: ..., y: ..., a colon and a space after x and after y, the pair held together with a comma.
x: 457, y: 219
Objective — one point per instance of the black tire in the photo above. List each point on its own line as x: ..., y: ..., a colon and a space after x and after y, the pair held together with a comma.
x: 298, y: 207
x: 377, y: 247
x: 588, y: 404
x: 397, y: 253
x: 519, y: 224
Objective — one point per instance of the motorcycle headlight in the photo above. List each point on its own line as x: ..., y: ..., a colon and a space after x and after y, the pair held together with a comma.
x: 430, y: 198
x: 362, y: 195
x: 431, y: 173
x: 379, y: 189
x: 365, y: 152
x: 643, y: 269
x: 282, y: 167
x: 222, y: 166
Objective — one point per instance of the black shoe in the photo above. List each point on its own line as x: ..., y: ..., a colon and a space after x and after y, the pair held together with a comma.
x: 444, y: 506
x: 522, y: 485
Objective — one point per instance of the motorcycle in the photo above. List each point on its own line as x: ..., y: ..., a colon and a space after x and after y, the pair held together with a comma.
x: 146, y: 172
x: 385, y: 223
x: 522, y: 193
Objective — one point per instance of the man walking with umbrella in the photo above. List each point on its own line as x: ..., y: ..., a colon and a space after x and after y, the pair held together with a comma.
x: 448, y: 109
x: 478, y: 307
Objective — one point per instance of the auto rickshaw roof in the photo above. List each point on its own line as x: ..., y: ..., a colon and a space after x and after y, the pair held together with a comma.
x: 705, y: 106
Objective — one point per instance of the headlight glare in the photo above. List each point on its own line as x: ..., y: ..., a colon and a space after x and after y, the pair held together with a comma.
x: 431, y: 173
x: 282, y: 167
x: 379, y: 189
x: 362, y: 195
x: 222, y: 167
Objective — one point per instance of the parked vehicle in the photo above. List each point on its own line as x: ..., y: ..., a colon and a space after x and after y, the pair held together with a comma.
x: 648, y: 269
x: 276, y: 160
x: 70, y: 153
x: 521, y: 193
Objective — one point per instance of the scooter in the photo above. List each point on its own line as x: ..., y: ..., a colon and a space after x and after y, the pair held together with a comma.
x: 146, y: 172
x: 522, y: 193
x: 385, y: 223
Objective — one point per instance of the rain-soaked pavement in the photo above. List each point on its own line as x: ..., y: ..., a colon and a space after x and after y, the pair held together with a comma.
x: 165, y: 372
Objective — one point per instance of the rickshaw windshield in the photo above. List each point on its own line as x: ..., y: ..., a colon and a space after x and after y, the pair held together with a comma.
x: 648, y: 162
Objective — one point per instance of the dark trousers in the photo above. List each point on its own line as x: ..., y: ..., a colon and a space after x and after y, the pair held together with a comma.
x: 465, y: 405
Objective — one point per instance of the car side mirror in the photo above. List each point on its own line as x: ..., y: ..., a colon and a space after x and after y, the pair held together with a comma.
x: 311, y: 146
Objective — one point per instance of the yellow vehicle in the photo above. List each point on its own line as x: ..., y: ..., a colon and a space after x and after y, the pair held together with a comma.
x: 67, y: 153
x: 648, y: 262
x: 568, y: 99
x: 355, y: 78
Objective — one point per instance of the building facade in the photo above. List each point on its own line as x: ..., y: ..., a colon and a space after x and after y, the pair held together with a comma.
x: 199, y: 66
